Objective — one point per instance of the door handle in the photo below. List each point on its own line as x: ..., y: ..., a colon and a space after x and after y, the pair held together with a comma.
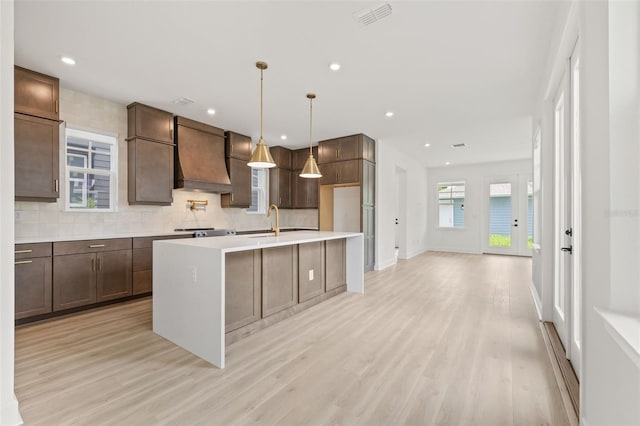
x: 569, y: 232
x: 567, y: 249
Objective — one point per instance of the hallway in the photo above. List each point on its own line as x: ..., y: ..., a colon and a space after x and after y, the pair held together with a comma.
x: 441, y: 338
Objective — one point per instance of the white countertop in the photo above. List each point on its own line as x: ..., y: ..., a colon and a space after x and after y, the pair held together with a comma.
x: 259, y: 241
x: 29, y: 240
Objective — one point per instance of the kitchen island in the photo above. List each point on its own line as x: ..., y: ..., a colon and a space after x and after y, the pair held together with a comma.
x: 190, y: 276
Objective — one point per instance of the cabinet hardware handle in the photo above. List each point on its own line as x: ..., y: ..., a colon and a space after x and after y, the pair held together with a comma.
x: 99, y: 264
x: 280, y: 200
x: 56, y: 185
x: 171, y: 134
x: 93, y: 264
x: 23, y: 251
x: 232, y: 197
x: 23, y: 262
x: 56, y: 102
x: 96, y: 245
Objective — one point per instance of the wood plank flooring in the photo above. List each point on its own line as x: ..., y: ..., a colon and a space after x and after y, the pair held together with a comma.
x: 439, y: 339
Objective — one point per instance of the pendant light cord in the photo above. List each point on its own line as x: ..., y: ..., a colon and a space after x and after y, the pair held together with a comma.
x: 310, y: 125
x: 261, y: 85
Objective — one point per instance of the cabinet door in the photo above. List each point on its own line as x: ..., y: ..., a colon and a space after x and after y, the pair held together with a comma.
x: 114, y: 275
x: 150, y: 172
x: 150, y: 123
x: 299, y: 157
x: 280, y: 187
x: 305, y: 192
x: 348, y: 171
x: 368, y: 149
x: 281, y: 156
x: 74, y: 280
x: 335, y: 270
x: 243, y: 298
x: 237, y: 146
x: 368, y: 228
x: 311, y: 270
x: 329, y: 175
x: 328, y: 151
x: 142, y: 267
x: 368, y: 183
x: 33, y: 287
x: 240, y: 175
x: 35, y: 94
x: 36, y: 158
x: 279, y: 279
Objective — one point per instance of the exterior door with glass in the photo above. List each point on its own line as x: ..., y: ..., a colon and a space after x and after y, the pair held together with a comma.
x: 509, y: 208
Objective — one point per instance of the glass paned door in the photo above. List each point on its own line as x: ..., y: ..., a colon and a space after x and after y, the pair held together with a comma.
x: 502, y: 225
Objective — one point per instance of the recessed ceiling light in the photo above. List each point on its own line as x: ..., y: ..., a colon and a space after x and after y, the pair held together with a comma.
x: 283, y: 137
x: 211, y: 111
x: 427, y: 145
x: 389, y: 114
x: 334, y: 66
x: 67, y: 60
x: 447, y: 163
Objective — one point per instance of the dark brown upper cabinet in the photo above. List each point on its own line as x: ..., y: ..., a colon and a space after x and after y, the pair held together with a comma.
x: 150, y: 155
x: 240, y: 175
x: 281, y: 156
x: 150, y: 167
x: 200, y: 157
x: 36, y: 144
x: 36, y: 94
x: 304, y: 191
x: 299, y: 157
x: 149, y: 123
x: 280, y: 187
x: 237, y: 146
x: 238, y: 150
x: 340, y: 172
x: 346, y: 148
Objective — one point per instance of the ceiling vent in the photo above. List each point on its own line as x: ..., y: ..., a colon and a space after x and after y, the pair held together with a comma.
x: 183, y: 101
x: 370, y: 15
x: 458, y: 145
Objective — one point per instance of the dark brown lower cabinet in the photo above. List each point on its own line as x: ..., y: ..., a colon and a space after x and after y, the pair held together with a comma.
x: 113, y: 275
x: 33, y: 287
x: 335, y: 256
x: 91, y: 271
x: 311, y: 270
x: 243, y: 298
x: 143, y: 262
x: 74, y: 280
x: 279, y: 279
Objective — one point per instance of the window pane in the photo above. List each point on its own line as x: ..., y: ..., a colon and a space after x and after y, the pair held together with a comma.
x: 77, y: 143
x: 100, y: 161
x: 89, y: 191
x: 77, y: 159
x: 451, y: 205
x: 500, y: 215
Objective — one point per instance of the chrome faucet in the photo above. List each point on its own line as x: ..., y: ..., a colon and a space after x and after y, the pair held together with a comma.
x: 276, y: 228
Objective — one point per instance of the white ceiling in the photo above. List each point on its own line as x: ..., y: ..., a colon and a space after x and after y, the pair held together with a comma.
x: 451, y: 71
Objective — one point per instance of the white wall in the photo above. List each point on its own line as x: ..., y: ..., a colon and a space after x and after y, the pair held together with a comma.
x: 388, y: 159
x: 43, y: 220
x: 9, y: 413
x: 609, y: 46
x: 469, y: 238
x: 346, y: 209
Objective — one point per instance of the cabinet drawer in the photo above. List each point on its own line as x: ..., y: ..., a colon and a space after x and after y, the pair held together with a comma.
x: 90, y: 246
x: 147, y: 242
x: 27, y: 251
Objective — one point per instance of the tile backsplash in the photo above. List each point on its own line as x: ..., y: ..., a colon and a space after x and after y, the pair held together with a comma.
x: 87, y: 112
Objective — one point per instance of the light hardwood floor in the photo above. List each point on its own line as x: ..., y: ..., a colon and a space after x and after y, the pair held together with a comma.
x: 439, y: 339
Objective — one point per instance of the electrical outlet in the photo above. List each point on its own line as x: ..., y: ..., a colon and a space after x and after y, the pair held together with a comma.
x: 310, y: 274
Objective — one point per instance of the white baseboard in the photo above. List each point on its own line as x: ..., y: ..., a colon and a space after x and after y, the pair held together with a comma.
x: 380, y: 265
x: 416, y: 253
x: 536, y: 299
x: 454, y: 250
x: 10, y: 412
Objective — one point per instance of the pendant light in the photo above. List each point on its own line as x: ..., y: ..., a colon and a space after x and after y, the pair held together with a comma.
x: 261, y: 157
x: 310, y: 169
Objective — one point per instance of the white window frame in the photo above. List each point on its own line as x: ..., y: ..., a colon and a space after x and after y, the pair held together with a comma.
x: 91, y: 136
x: 263, y: 192
x: 450, y: 183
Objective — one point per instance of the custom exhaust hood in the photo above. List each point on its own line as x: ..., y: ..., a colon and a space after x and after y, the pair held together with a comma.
x: 199, y: 157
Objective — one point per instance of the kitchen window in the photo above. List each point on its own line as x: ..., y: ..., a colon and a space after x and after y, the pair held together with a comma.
x: 259, y: 194
x: 451, y: 204
x: 90, y: 171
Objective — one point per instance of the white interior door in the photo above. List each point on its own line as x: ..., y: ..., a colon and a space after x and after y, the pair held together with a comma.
x: 509, y: 215
x: 563, y: 230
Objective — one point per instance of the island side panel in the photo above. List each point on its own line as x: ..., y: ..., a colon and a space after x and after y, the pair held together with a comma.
x: 355, y: 264
x: 188, y: 298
